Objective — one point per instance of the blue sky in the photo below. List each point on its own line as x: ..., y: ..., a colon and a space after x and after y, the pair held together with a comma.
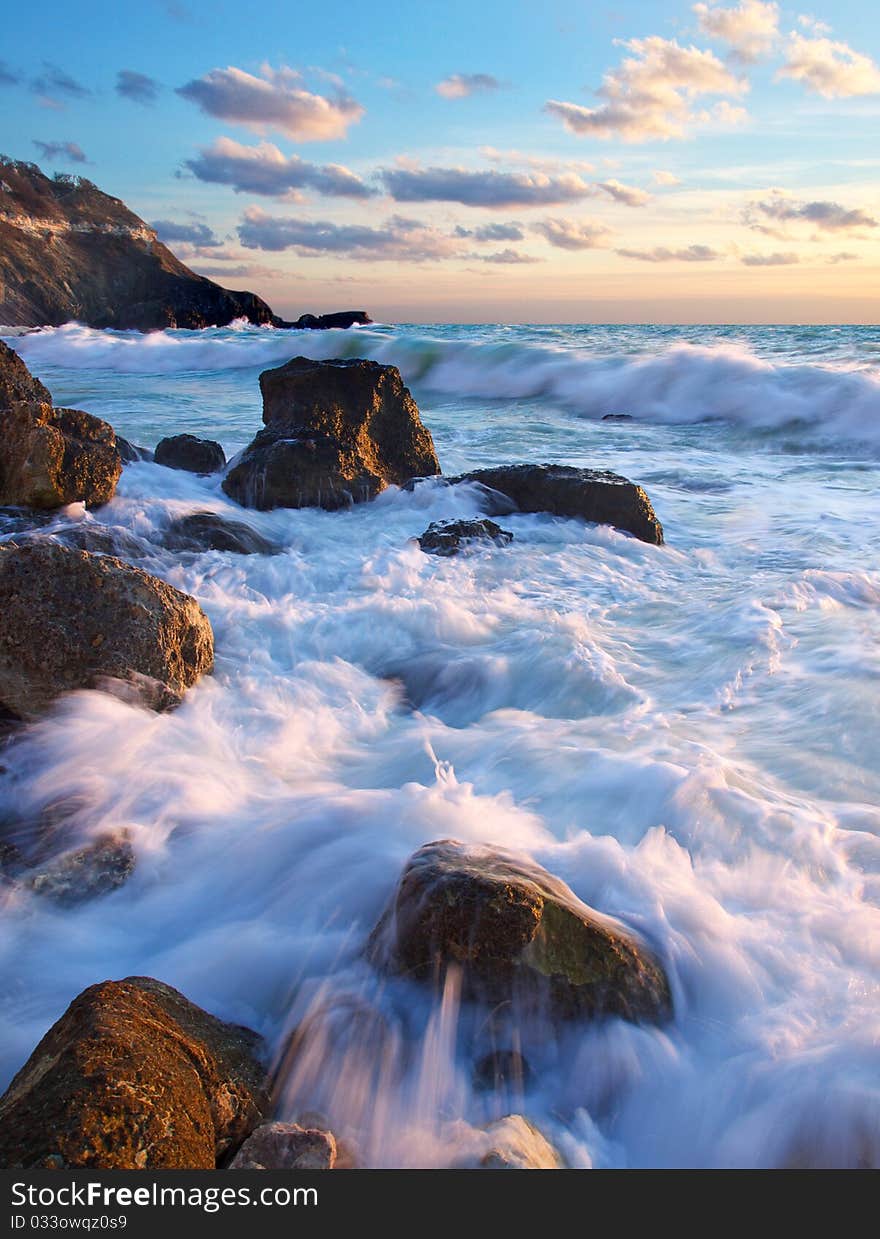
x: 454, y: 161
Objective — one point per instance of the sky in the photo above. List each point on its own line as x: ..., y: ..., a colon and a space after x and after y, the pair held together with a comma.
x: 478, y: 162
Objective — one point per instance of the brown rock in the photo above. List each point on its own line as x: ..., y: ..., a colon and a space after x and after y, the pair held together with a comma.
x: 518, y: 934
x: 71, y: 620
x: 17, y: 384
x: 516, y: 1144
x: 286, y: 1146
x: 189, y: 453
x: 134, y: 1077
x: 337, y: 433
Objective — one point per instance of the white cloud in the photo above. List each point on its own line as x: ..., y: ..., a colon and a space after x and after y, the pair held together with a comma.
x: 660, y: 253
x: 650, y: 94
x: 665, y: 178
x: 263, y: 169
x: 483, y: 188
x: 627, y: 194
x: 751, y: 28
x: 277, y: 100
x: 566, y: 234
x: 460, y: 85
x: 828, y: 68
x: 787, y: 259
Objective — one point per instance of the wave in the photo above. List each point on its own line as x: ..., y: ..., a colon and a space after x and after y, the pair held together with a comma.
x: 683, y: 384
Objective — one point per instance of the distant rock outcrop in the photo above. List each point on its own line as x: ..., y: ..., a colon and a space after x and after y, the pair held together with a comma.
x: 69, y: 251
x: 337, y: 433
x: 322, y: 322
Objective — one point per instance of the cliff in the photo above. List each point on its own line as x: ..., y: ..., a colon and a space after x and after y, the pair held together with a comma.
x: 69, y: 251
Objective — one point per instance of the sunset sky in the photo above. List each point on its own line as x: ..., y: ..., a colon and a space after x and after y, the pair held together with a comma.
x: 455, y: 161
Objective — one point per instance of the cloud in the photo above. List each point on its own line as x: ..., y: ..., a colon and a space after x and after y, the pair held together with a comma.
x: 492, y: 232
x: 624, y: 193
x: 483, y: 189
x: 137, y: 87
x: 566, y: 234
x: 507, y: 257
x: 751, y: 28
x: 460, y: 85
x: 69, y: 151
x: 828, y: 68
x: 780, y: 209
x: 665, y: 178
x: 276, y: 100
x: 8, y: 77
x: 842, y: 256
x: 263, y: 169
x: 399, y: 240
x: 770, y: 260
x: 650, y: 95
x: 199, y: 235
x: 813, y: 23
x: 539, y: 163
x: 693, y: 253
x: 54, y: 81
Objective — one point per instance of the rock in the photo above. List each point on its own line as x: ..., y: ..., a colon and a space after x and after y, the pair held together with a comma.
x: 130, y: 453
x: 190, y: 454
x: 593, y: 494
x: 337, y: 433
x: 208, y: 531
x: 134, y: 1077
x: 87, y: 872
x: 516, y: 1144
x: 342, y: 318
x: 450, y: 537
x: 70, y: 620
x: 69, y: 251
x: 502, y: 1069
x: 518, y: 934
x: 90, y: 536
x: 618, y: 417
x: 286, y: 1146
x: 50, y: 457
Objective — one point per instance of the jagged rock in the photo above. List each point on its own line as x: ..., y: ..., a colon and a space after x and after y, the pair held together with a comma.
x: 191, y: 454
x: 286, y: 1146
x: 69, y: 251
x: 502, y: 1069
x: 518, y: 934
x: 207, y: 531
x: 134, y: 1077
x: 72, y: 620
x: 341, y: 318
x: 85, y: 873
x: 593, y: 494
x: 336, y: 433
x: 50, y: 457
x: 450, y: 537
x: 516, y: 1144
x: 129, y: 453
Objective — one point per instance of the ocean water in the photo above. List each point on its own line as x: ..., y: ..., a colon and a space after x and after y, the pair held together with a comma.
x: 688, y: 735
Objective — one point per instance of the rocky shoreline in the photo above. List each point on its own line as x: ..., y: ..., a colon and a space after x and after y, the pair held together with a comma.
x: 133, y: 1075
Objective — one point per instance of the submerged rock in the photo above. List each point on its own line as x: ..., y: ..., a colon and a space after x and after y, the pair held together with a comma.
x: 518, y: 934
x: 130, y: 453
x: 191, y: 454
x: 516, y: 1144
x: 286, y: 1146
x: 71, y: 620
x: 208, y: 531
x: 91, y: 536
x: 336, y: 433
x: 134, y: 1077
x: 450, y: 537
x: 593, y: 494
x: 87, y: 872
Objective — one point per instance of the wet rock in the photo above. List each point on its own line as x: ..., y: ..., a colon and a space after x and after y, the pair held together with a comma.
x: 130, y: 453
x: 92, y: 537
x: 87, y: 872
x: 134, y: 1077
x: 516, y: 1144
x: 191, y: 454
x: 286, y: 1146
x: 17, y: 384
x: 502, y: 1069
x: 72, y: 620
x: 207, y: 531
x: 517, y: 934
x: 336, y: 433
x: 341, y: 318
x: 450, y: 537
x: 618, y: 417
x: 593, y: 494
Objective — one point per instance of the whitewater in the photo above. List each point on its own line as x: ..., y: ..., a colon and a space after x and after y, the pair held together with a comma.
x: 687, y: 735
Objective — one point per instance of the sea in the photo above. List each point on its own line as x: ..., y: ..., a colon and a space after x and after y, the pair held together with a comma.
x: 688, y: 735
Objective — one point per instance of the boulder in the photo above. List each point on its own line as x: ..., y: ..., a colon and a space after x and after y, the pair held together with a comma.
x: 17, y: 384
x: 341, y: 318
x: 449, y: 537
x: 286, y: 1146
x: 593, y: 494
x: 85, y: 873
x: 208, y: 531
x: 91, y: 536
x: 71, y: 620
x: 130, y: 453
x: 336, y: 433
x: 190, y: 454
x: 134, y: 1077
x: 518, y: 934
x: 516, y: 1144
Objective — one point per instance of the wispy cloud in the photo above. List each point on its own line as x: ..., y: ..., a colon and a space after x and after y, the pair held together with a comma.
x: 461, y: 85
x: 691, y: 253
x: 483, y: 188
x: 508, y: 257
x: 70, y: 152
x: 54, y: 81
x: 651, y: 94
x: 777, y: 259
x: 398, y: 240
x: 627, y: 194
x: 771, y: 215
x: 828, y: 68
x: 567, y: 234
x: 277, y: 100
x: 750, y: 28
x: 665, y: 178
x: 842, y: 256
x: 492, y: 232
x: 263, y: 169
x: 137, y: 87
x: 8, y: 77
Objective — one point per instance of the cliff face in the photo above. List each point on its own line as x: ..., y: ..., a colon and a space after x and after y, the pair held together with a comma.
x: 69, y: 251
